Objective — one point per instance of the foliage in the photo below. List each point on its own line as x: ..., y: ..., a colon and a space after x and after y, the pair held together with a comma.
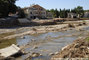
x: 55, y: 12
x: 21, y: 13
x: 7, y: 6
x: 62, y: 13
x: 78, y: 10
x: 87, y: 39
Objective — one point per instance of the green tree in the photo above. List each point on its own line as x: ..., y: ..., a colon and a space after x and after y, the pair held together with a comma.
x: 63, y: 13
x: 21, y: 13
x: 78, y: 10
x: 56, y: 13
x: 53, y: 12
x: 7, y: 6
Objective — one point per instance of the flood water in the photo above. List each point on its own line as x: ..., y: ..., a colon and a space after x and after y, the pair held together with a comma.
x: 50, y: 42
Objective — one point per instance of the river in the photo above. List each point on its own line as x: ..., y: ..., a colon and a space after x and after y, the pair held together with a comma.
x: 50, y: 42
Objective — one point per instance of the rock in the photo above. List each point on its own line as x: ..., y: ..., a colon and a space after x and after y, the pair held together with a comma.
x: 35, y: 47
x: 83, y: 47
x: 87, y: 47
x: 77, y: 45
x: 34, y: 29
x: 40, y: 54
x: 71, y: 25
x: 35, y: 54
x: 51, y: 54
x: 33, y: 40
x: 56, y: 53
x: 23, y: 37
x: 71, y: 29
x: 29, y: 58
x: 65, y: 47
x: 80, y: 24
x: 84, y: 23
x: 81, y: 30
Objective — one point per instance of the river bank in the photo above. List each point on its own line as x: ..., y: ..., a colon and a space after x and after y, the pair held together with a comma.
x: 79, y: 49
x: 49, y: 28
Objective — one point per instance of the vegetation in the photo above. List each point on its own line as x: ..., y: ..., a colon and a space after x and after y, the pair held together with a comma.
x: 63, y: 12
x: 21, y: 13
x: 7, y: 42
x: 78, y: 10
x: 87, y: 39
x: 6, y: 7
x: 6, y: 34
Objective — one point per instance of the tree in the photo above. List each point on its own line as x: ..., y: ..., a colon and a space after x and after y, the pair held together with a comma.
x: 63, y: 13
x: 21, y: 13
x: 78, y: 10
x: 53, y: 12
x: 7, y: 6
x: 56, y: 13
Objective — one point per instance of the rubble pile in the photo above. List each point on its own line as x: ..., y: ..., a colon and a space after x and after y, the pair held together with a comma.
x: 78, y: 49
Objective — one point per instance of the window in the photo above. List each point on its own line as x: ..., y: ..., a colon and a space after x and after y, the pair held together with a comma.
x: 30, y: 12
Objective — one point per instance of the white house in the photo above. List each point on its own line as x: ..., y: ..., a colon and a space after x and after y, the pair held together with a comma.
x: 72, y: 15
x: 35, y: 11
x: 86, y: 15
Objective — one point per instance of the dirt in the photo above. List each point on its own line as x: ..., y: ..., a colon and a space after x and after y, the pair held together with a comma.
x: 78, y: 49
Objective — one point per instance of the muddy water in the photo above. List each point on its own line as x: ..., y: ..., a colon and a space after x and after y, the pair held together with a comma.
x: 50, y: 42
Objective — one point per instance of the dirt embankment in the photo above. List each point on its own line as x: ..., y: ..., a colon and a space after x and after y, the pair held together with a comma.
x: 78, y: 49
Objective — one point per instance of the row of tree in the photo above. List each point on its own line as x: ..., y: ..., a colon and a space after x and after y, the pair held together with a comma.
x: 63, y: 12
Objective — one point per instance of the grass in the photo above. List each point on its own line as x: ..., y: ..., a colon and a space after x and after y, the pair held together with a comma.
x: 87, y: 39
x: 7, y: 42
x: 6, y: 34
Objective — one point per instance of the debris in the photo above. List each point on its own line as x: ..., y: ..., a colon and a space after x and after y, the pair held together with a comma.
x: 78, y: 49
x: 51, y: 54
x: 56, y: 53
x: 35, y: 54
x: 71, y: 25
x: 35, y: 47
x: 8, y: 51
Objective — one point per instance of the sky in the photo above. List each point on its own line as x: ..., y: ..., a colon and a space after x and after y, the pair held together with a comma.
x: 53, y: 4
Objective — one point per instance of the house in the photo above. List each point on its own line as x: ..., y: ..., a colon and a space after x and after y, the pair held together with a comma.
x: 86, y: 15
x: 35, y: 11
x: 72, y: 15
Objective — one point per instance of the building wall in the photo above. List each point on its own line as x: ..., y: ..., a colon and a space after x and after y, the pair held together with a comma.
x: 72, y: 15
x: 36, y: 11
x: 86, y: 15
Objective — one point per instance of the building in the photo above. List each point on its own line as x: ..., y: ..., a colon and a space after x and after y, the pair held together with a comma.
x: 72, y: 15
x: 35, y: 11
x: 86, y: 15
